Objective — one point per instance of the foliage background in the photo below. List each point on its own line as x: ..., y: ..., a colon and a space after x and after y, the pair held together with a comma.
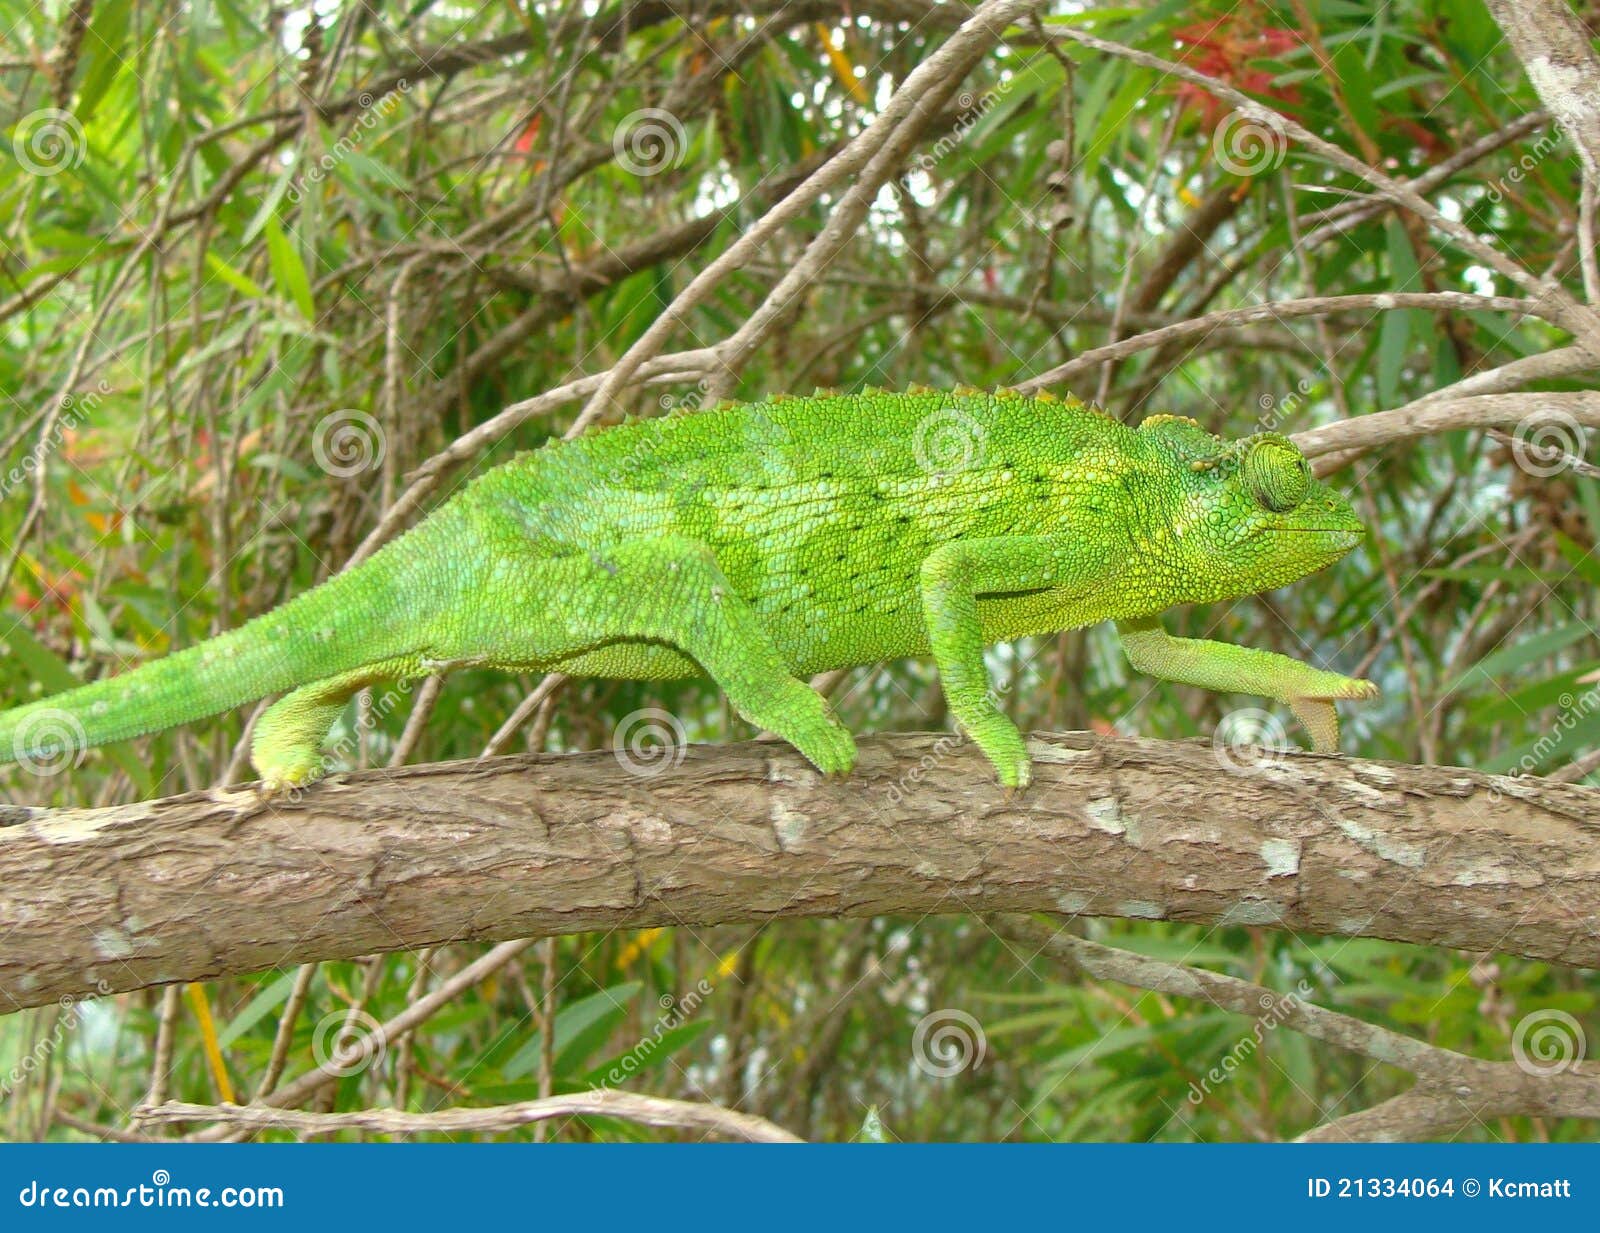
x: 234, y: 226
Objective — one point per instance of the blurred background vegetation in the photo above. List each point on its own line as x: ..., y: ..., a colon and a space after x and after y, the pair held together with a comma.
x: 260, y: 263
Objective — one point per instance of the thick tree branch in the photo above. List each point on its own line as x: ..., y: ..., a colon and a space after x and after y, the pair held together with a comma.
x: 1554, y: 49
x: 211, y: 883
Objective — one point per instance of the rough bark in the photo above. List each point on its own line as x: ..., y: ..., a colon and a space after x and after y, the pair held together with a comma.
x: 1554, y: 48
x: 206, y: 884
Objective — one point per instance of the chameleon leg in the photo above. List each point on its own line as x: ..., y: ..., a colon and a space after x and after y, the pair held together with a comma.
x: 669, y: 590
x: 953, y: 576
x: 1245, y: 670
x: 286, y: 748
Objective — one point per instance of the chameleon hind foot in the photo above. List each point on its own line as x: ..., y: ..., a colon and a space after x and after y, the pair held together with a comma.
x: 1002, y: 743
x: 286, y: 749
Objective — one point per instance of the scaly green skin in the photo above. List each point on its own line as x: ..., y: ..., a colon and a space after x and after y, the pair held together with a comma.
x: 763, y: 542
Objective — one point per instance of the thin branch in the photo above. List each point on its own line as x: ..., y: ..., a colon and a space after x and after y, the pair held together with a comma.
x: 1453, y: 1089
x: 1559, y: 304
x: 1429, y: 417
x: 923, y: 90
x: 625, y: 1106
x: 1276, y: 310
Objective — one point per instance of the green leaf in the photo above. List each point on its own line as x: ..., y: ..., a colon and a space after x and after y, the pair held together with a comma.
x: 579, y: 1030
x: 257, y: 1009
x: 1355, y: 82
x: 288, y: 271
x: 1519, y: 655
x: 1394, y: 340
x: 238, y: 281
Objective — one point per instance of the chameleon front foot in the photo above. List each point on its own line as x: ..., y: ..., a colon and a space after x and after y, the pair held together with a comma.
x: 1318, y: 716
x: 810, y: 727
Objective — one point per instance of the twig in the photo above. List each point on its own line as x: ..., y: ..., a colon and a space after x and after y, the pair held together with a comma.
x: 625, y: 1106
x: 1277, y: 310
x: 1571, y: 314
x: 934, y: 79
x: 1453, y: 1090
x: 1336, y: 221
x: 1427, y: 417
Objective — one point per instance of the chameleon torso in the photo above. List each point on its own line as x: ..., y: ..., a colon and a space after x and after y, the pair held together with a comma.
x: 820, y: 511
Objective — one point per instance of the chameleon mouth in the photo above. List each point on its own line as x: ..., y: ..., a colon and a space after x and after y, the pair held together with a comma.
x: 1343, y: 537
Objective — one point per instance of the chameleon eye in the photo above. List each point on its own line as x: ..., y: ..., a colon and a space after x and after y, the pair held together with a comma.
x: 1277, y: 475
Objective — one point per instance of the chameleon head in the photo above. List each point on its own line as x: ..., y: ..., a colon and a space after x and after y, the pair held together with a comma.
x: 1251, y: 517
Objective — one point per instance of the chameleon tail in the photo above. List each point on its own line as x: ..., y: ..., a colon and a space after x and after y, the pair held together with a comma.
x: 363, y: 615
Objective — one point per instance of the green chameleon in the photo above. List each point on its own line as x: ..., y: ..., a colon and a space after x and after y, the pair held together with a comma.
x: 761, y: 542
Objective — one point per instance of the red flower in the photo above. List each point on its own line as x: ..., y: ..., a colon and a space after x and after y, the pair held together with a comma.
x: 1224, y: 48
